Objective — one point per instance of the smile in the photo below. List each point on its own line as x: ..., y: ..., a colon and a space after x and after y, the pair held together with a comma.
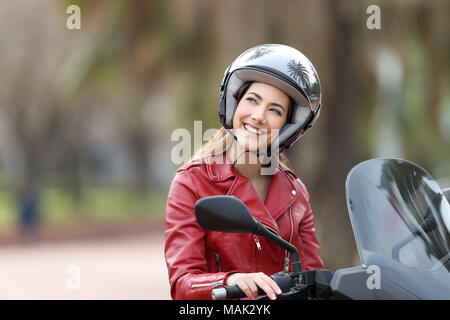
x: 252, y: 130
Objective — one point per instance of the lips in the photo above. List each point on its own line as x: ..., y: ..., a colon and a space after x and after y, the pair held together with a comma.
x: 253, y: 130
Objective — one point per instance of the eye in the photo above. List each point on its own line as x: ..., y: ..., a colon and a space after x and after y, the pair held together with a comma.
x: 276, y: 111
x: 251, y: 100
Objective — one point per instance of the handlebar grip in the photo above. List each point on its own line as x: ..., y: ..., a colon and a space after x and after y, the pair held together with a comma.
x: 284, y: 281
x: 231, y: 292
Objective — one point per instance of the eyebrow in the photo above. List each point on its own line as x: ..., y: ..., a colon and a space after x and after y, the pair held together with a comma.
x: 272, y: 103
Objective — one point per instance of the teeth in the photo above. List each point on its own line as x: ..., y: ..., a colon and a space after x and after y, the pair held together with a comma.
x: 252, y: 130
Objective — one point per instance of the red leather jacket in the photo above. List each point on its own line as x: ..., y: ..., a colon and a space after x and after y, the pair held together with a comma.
x: 199, y: 260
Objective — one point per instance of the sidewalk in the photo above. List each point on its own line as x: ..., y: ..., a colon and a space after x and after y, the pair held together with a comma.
x: 123, y: 267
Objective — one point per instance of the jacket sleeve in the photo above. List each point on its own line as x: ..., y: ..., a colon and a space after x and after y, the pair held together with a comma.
x: 185, y: 245
x: 312, y: 257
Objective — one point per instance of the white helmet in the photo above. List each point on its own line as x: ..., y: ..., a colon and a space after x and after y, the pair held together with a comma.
x: 282, y: 67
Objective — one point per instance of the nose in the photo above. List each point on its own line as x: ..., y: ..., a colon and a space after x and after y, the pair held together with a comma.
x: 258, y: 114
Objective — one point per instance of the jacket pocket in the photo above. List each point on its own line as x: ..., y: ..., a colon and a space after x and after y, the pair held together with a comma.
x: 217, y: 258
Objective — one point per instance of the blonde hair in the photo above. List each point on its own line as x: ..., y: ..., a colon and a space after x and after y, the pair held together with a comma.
x: 220, y: 143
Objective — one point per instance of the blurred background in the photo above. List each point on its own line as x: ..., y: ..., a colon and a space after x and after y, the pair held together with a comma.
x: 86, y: 118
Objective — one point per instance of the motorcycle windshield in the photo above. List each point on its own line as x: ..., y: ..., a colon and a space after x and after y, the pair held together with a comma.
x: 400, y: 215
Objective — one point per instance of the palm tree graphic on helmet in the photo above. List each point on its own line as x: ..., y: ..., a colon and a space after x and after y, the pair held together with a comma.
x: 259, y: 52
x: 299, y: 72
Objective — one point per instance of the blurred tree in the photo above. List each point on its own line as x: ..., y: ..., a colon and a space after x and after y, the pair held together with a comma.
x: 29, y: 58
x: 142, y: 68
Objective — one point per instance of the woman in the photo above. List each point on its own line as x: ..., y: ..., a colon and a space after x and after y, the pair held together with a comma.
x: 270, y: 96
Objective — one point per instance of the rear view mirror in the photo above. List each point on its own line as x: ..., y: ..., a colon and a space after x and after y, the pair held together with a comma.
x: 226, y: 214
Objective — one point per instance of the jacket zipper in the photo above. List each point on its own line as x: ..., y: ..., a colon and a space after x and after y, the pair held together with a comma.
x: 213, y: 284
x: 286, y: 256
x: 258, y: 245
x: 258, y: 248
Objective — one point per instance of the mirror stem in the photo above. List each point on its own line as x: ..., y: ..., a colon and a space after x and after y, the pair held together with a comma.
x: 296, y: 264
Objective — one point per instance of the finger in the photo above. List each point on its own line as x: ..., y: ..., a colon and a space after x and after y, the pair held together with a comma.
x: 244, y: 286
x: 266, y: 288
x: 264, y: 284
x: 276, y: 289
x: 274, y: 286
x: 253, y: 287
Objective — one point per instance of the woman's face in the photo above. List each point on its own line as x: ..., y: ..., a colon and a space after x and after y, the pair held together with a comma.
x: 260, y: 114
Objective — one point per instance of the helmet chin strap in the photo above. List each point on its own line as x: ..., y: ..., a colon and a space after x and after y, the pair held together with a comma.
x: 266, y: 160
x: 266, y: 155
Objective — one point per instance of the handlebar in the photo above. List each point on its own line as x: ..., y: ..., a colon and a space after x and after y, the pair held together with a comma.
x: 283, y: 280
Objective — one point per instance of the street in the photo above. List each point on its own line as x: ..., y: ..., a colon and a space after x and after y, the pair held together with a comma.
x: 122, y: 268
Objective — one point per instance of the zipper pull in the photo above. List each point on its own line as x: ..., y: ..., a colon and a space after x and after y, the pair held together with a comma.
x: 258, y: 245
x: 214, y: 284
x: 286, y: 264
x: 217, y: 284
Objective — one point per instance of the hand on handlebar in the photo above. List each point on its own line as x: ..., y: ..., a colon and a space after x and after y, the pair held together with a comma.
x: 249, y: 283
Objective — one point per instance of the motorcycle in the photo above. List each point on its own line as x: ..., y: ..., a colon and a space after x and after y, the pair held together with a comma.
x: 401, y: 223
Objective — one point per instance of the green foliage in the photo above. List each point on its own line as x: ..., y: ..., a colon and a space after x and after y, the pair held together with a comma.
x: 7, y: 218
x: 99, y: 205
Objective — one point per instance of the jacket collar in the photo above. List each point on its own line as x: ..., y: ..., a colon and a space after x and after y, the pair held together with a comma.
x: 281, y: 195
x: 220, y: 168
